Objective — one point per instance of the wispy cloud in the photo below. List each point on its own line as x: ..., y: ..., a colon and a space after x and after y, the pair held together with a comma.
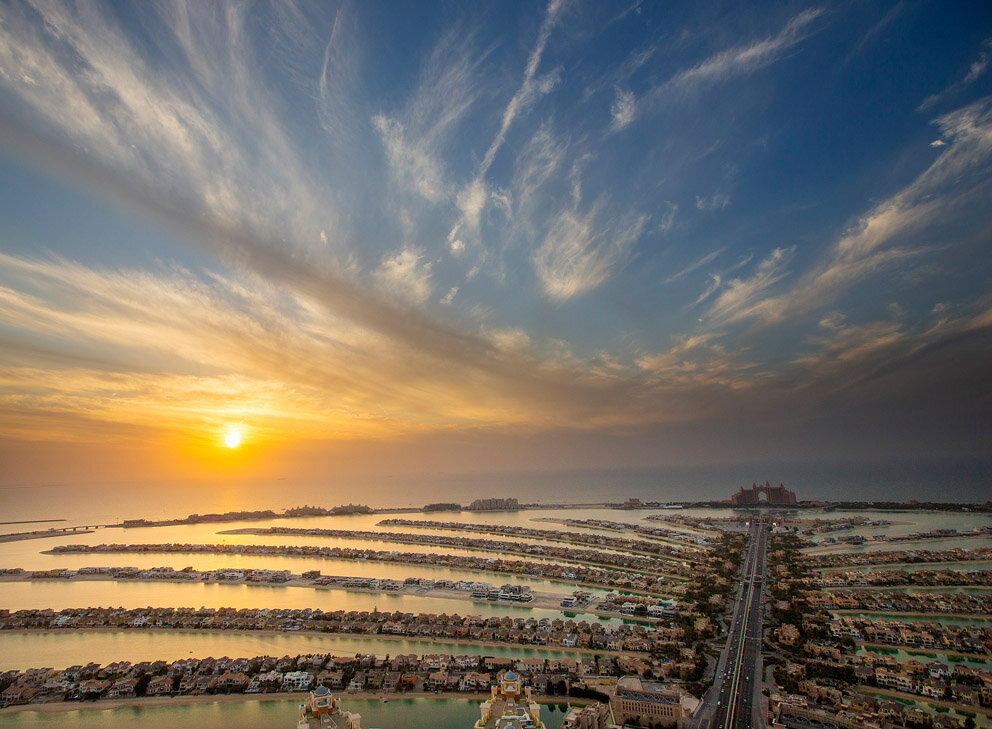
x: 407, y: 274
x: 740, y: 60
x: 623, y: 109
x: 531, y: 87
x: 579, y: 251
x: 711, y: 288
x: 716, y: 201
x: 956, y: 178
x: 100, y: 93
x: 975, y: 71
x: 744, y: 297
x: 415, y: 167
x: 695, y: 265
x: 416, y: 135
x: 473, y: 198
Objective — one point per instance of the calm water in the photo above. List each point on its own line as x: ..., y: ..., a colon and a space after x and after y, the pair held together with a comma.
x: 60, y: 649
x: 58, y: 595
x: 352, y: 568
x: 280, y: 714
x: 908, y: 522
x: 925, y: 656
x: 954, y: 566
x: 978, y: 620
x: 926, y: 544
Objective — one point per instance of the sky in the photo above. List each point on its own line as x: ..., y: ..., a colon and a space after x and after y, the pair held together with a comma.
x: 400, y: 237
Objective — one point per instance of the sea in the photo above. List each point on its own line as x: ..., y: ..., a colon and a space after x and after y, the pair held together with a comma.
x: 954, y: 480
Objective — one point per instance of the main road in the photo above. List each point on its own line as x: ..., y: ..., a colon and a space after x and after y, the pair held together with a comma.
x: 734, y: 702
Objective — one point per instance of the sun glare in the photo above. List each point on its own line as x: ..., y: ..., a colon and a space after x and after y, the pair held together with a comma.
x: 233, y: 438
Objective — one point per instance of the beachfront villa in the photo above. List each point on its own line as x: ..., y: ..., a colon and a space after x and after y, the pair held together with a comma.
x: 511, y: 707
x: 323, y: 711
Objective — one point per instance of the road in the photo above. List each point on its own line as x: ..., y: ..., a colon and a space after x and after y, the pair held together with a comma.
x: 734, y: 701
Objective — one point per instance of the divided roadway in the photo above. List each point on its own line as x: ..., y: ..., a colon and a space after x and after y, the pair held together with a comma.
x: 733, y: 702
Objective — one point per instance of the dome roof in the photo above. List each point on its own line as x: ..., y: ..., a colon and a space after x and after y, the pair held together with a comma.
x: 509, y: 676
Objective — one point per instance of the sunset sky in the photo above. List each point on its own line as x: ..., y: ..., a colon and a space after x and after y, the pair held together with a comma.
x: 404, y: 236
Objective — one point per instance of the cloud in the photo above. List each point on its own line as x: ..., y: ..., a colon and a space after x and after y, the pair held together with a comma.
x: 708, y: 258
x: 474, y: 196
x: 741, y: 60
x: 956, y: 180
x: 407, y: 274
x: 716, y: 201
x: 711, y: 288
x: 845, y: 342
x: 414, y: 166
x: 743, y: 296
x: 531, y: 87
x: 667, y: 220
x: 975, y: 71
x: 417, y: 135
x: 172, y: 132
x: 471, y: 201
x: 510, y: 339
x: 579, y: 251
x: 623, y: 109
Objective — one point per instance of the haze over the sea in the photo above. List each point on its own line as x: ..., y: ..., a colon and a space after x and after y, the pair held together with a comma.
x: 950, y: 480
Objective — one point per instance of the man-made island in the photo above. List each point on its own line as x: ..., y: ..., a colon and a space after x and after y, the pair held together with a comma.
x: 749, y: 618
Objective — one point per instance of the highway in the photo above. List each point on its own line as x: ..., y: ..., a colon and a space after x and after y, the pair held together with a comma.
x: 735, y: 689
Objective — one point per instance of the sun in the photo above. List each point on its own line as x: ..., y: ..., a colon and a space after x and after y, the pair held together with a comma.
x: 232, y: 439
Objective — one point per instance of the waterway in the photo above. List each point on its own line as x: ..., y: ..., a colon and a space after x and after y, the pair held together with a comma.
x: 981, y: 621
x: 966, y: 566
x: 58, y: 595
x: 922, y: 544
x: 297, y: 565
x: 272, y: 714
x: 925, y: 656
x: 903, y: 522
x: 61, y: 649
